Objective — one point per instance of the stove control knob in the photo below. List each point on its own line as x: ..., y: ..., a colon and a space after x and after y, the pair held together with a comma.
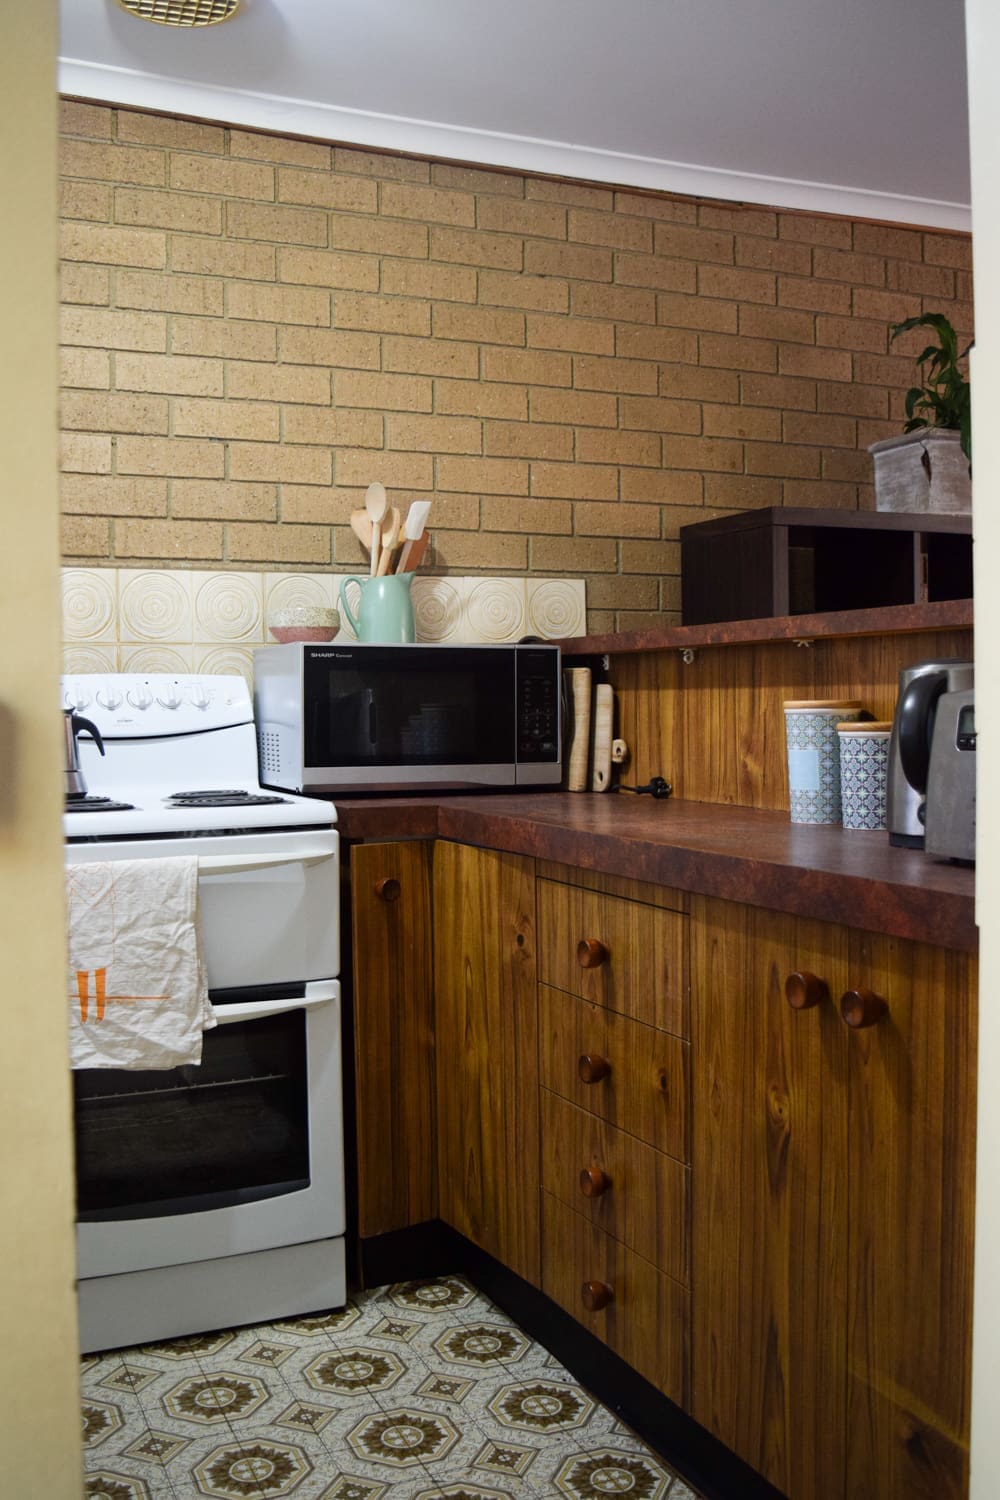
x: 140, y: 697
x: 199, y: 697
x: 109, y: 697
x: 77, y: 698
x: 169, y: 698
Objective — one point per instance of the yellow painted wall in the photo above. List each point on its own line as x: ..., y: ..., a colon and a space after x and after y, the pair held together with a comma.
x: 39, y: 1425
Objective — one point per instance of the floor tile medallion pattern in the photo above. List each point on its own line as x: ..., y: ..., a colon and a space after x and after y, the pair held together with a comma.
x: 181, y: 620
x: 418, y: 1391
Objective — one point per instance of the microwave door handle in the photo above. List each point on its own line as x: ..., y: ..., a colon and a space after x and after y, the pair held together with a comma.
x: 235, y: 864
x: 255, y: 1010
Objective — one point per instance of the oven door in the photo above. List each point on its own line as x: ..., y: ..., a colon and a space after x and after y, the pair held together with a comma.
x: 242, y: 1153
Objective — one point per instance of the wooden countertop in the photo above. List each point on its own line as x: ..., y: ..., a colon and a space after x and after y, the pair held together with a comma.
x: 738, y: 853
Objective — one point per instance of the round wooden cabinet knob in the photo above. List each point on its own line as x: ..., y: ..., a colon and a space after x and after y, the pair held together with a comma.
x: 862, y: 1007
x: 591, y: 953
x: 594, y: 1182
x: 596, y: 1294
x: 804, y: 990
x: 387, y: 888
x: 592, y: 1067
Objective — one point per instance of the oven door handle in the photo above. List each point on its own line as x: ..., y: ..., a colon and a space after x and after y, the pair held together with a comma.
x: 236, y: 864
x: 255, y: 1010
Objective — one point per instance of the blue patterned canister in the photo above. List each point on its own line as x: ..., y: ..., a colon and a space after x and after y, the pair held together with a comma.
x: 864, y: 765
x: 814, y: 756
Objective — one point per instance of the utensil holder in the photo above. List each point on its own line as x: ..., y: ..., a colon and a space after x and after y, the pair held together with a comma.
x: 385, y: 609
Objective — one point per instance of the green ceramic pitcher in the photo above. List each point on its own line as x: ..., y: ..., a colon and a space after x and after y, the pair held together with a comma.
x: 385, y: 611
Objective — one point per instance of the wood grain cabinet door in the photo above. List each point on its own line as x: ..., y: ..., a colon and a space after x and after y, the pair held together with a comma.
x: 487, y: 1053
x: 393, y: 1034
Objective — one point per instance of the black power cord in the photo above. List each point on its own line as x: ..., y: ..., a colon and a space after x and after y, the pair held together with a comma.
x: 658, y: 787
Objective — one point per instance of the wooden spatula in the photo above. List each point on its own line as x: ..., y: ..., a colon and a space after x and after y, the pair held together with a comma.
x: 390, y: 540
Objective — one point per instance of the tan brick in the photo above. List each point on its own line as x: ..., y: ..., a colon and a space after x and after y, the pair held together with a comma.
x: 164, y: 130
x: 696, y: 312
x: 429, y: 357
x: 397, y: 471
x: 731, y: 352
x: 260, y: 147
x: 615, y: 518
x: 823, y: 493
x: 110, y: 163
x: 551, y: 190
x: 76, y: 118
x: 882, y: 369
x: 680, y: 452
x: 89, y: 285
x: 655, y: 414
x: 316, y: 505
x: 738, y: 217
x: 846, y: 464
x: 616, y: 591
x: 579, y: 261
x: 571, y: 333
x: 638, y: 377
x: 346, y: 194
x: 480, y: 399
x: 807, y: 427
x: 84, y: 537
x: 477, y: 180
x: 488, y: 476
x: 574, y: 481
x: 651, y: 557
x: 228, y: 340
x: 276, y: 544
x: 408, y: 278
x: 818, y: 364
x: 251, y: 381
x: 171, y: 373
x: 358, y: 273
x: 533, y: 517
x: 573, y: 554
x: 930, y: 281
x: 169, y: 292
x: 497, y: 552
x: 593, y: 300
x: 381, y: 164
x: 429, y: 205
x: 579, y: 408
x: 694, y: 244
x: 660, y: 343
x: 948, y: 250
x: 618, y: 231
x: 778, y: 390
x: 102, y: 411
x: 851, y: 333
x: 885, y: 307
x: 425, y: 434
x: 107, y: 329
x: 853, y: 399
x: 481, y: 325
x: 335, y: 347
x: 288, y: 226
x: 527, y: 367
x: 782, y: 460
x: 651, y: 205
x: 184, y: 458
x: 112, y: 495
x: 169, y: 211
x: 168, y: 539
x: 87, y: 368
x: 883, y: 239
x: 661, y: 486
x: 598, y: 445
x: 280, y: 463
x: 778, y: 323
x: 814, y: 296
x: 84, y: 200
x: 963, y: 286
x: 219, y: 500
x: 375, y: 236
x: 773, y: 255
x: 469, y: 247
x: 527, y: 440
x: 333, y: 428
x: 737, y: 284
x: 110, y: 246
x: 381, y: 314
x: 85, y: 453
x: 384, y: 392
x: 843, y: 265
x: 542, y: 220
x: 278, y: 304
x: 632, y: 620
x: 741, y: 491
x: 742, y: 422
x: 256, y: 421
x: 874, y: 432
x: 222, y: 176
x: 815, y: 231
x: 510, y: 289
x: 222, y: 258
x: 689, y: 383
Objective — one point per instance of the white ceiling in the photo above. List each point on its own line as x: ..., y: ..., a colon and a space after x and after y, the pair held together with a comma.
x: 849, y: 106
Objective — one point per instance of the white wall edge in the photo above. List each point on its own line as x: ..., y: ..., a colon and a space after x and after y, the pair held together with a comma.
x: 138, y: 90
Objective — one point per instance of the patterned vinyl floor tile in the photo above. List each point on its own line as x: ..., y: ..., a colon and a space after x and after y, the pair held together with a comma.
x: 415, y: 1391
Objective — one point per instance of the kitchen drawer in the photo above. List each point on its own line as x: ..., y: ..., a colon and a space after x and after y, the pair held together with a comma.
x: 622, y: 954
x: 636, y: 1310
x: 632, y: 1192
x: 644, y: 1089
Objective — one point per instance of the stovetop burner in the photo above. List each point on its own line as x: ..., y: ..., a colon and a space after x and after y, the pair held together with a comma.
x: 223, y: 798
x: 97, y: 804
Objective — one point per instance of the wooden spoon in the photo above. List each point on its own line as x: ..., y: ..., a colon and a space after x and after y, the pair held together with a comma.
x: 390, y: 541
x: 375, y: 505
x: 362, y: 528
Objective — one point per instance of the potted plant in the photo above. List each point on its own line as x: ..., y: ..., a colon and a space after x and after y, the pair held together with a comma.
x: 929, y: 468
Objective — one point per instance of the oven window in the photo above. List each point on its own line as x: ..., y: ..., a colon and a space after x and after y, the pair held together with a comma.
x: 184, y: 1140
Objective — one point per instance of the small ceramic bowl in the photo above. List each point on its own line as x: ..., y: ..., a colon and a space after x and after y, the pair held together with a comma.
x: 303, y: 622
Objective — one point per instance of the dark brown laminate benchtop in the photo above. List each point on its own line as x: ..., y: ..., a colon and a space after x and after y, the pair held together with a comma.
x: 738, y: 853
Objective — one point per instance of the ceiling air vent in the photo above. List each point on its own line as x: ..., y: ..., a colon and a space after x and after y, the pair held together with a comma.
x: 182, y: 12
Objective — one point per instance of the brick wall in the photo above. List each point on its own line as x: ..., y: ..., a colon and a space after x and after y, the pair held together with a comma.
x: 254, y: 328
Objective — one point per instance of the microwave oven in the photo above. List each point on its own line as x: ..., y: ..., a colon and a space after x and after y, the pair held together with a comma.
x: 354, y: 717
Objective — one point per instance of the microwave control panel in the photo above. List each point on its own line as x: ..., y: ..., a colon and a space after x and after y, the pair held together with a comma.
x: 537, y: 706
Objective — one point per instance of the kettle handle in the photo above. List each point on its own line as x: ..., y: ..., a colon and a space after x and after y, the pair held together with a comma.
x: 345, y: 606
x: 915, y: 717
x: 78, y: 722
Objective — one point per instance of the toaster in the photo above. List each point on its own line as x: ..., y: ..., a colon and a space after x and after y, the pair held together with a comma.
x: 950, y: 810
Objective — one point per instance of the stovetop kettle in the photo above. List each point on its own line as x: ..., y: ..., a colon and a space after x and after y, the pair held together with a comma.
x: 76, y: 786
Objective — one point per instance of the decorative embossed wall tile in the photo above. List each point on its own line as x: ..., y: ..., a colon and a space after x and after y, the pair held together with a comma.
x: 155, y: 606
x: 437, y: 608
x: 90, y: 604
x: 209, y: 659
x: 78, y: 660
x: 228, y: 607
x: 557, y: 607
x: 494, y: 609
x: 155, y: 658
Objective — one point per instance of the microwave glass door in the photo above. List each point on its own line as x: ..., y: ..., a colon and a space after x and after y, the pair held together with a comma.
x: 410, y: 707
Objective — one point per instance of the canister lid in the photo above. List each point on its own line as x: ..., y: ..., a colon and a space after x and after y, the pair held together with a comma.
x: 805, y: 703
x: 858, y: 726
